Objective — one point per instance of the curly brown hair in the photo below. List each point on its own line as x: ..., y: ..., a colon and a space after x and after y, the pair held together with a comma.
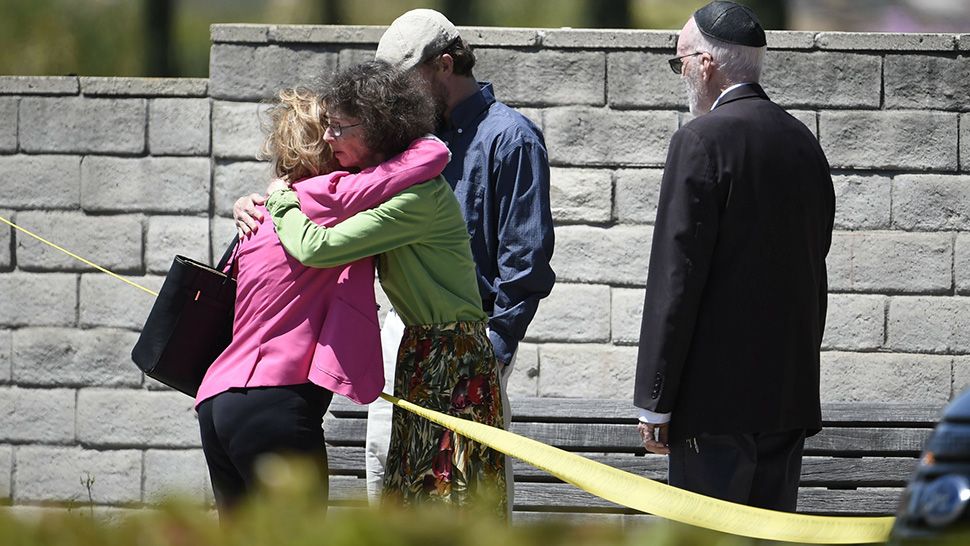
x: 393, y: 107
x: 294, y: 135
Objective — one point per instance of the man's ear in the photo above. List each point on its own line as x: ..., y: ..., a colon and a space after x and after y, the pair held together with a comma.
x: 446, y: 63
x: 707, y: 66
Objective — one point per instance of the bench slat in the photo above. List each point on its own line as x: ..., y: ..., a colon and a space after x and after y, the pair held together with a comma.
x: 603, y: 437
x: 816, y: 471
x: 622, y: 411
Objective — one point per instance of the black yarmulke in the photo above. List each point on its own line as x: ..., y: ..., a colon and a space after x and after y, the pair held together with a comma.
x: 731, y: 23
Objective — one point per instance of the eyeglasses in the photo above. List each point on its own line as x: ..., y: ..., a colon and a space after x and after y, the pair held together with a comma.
x: 337, y: 129
x: 677, y: 63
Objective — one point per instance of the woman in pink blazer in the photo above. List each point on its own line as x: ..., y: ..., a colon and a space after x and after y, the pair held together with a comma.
x: 301, y: 334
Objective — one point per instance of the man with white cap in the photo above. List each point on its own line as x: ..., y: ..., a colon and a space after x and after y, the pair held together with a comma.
x: 500, y: 173
x: 728, y: 369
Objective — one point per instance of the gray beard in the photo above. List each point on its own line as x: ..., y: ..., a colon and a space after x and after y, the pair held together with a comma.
x: 697, y: 100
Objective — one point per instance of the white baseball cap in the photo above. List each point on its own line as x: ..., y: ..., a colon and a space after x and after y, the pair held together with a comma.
x: 415, y: 37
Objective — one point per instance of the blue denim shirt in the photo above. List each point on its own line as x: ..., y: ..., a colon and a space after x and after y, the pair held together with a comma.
x: 499, y: 171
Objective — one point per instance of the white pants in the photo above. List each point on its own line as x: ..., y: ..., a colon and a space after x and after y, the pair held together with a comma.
x: 379, y: 414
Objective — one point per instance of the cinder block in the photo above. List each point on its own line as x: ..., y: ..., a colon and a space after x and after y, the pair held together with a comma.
x: 6, y: 472
x: 854, y: 322
x: 240, y: 72
x: 524, y: 381
x: 114, y: 242
x: 587, y: 371
x: 327, y: 34
x: 239, y: 33
x: 38, y: 85
x: 144, y: 87
x: 573, y: 313
x: 6, y: 350
x: 637, y: 79
x: 236, y: 179
x: 545, y: 77
x: 916, y: 140
x: 961, y: 263
x: 617, y: 255
x: 63, y: 357
x: 823, y: 79
x: 178, y: 127
x: 862, y: 201
x: 82, y: 125
x: 929, y: 325
x: 587, y: 136
x: 180, y: 474
x: 73, y: 474
x: 171, y: 235
x: 789, y: 39
x: 931, y: 202
x: 637, y: 195
x: 608, y: 38
x: 8, y: 124
x: 481, y: 37
x: 581, y: 195
x: 156, y: 184
x: 896, y: 262
x: 38, y: 300
x: 924, y: 82
x: 41, y: 181
x: 881, y: 377
x: 106, y: 301
x: 37, y: 415
x: 236, y: 129
x: 112, y: 418
x: 627, y: 315
x: 891, y: 41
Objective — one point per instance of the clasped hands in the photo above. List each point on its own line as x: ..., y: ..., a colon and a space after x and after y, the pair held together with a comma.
x: 654, y: 437
x: 244, y: 210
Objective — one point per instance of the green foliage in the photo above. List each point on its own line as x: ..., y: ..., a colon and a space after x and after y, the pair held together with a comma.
x: 290, y: 512
x: 59, y: 37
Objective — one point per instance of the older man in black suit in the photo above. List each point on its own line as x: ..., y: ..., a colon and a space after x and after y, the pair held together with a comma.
x: 728, y: 370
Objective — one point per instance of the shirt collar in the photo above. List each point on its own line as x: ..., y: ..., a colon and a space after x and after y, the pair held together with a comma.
x: 469, y: 109
x: 728, y: 90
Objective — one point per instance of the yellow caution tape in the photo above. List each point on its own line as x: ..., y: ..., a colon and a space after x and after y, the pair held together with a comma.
x: 76, y: 257
x: 662, y: 500
x: 628, y: 489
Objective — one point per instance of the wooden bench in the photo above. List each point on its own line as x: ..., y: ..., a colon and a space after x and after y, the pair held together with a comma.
x: 858, y: 465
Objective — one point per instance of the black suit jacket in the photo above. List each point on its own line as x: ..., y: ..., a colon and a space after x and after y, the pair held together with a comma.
x: 736, y: 291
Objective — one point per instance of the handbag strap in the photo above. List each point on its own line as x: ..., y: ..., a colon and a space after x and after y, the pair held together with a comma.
x: 232, y: 251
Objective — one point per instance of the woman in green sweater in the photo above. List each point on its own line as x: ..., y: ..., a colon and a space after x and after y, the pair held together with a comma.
x: 445, y: 361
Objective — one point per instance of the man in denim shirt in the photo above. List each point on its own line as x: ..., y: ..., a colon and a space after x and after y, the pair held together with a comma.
x: 499, y: 171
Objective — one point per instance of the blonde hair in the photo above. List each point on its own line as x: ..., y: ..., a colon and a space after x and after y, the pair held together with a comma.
x: 294, y: 135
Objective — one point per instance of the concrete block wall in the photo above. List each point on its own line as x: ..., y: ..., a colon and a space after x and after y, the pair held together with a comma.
x: 128, y: 172
x: 118, y: 171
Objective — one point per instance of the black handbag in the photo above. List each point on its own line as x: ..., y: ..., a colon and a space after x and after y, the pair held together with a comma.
x: 190, y: 324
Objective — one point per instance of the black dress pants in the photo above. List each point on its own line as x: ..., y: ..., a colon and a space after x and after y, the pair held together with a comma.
x: 241, y: 425
x: 760, y: 469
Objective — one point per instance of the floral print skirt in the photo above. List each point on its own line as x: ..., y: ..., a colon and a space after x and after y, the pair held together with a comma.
x: 448, y: 368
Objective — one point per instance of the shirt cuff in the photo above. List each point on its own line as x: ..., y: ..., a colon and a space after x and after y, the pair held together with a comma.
x: 653, y: 418
x: 503, y: 346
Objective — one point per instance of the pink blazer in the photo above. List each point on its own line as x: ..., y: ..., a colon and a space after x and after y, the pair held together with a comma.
x: 294, y: 323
